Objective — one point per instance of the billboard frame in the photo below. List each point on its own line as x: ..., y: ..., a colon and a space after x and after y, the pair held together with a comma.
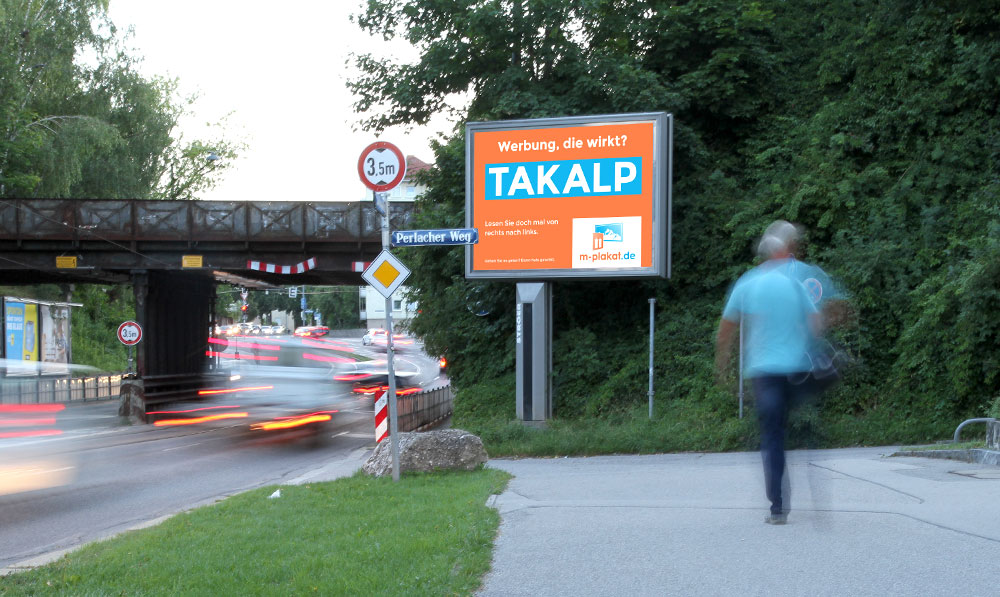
x: 661, y: 195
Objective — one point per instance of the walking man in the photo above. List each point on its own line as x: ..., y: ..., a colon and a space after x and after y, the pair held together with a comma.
x: 780, y: 322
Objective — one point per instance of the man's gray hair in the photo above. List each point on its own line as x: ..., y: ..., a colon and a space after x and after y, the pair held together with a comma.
x: 779, y: 236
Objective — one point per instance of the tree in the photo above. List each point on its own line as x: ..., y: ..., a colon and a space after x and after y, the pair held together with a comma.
x: 824, y: 113
x: 76, y: 118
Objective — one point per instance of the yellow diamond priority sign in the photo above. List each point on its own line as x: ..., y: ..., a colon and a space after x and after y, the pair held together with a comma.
x: 386, y: 273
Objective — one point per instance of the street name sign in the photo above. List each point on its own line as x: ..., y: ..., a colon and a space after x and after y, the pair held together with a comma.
x: 454, y: 236
x: 386, y: 273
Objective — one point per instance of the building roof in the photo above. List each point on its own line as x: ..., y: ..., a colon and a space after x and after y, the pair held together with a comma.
x: 415, y: 164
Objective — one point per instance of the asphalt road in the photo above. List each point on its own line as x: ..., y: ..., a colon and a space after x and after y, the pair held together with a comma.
x: 101, y: 476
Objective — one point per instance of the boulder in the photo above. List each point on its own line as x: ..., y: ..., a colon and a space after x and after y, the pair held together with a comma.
x: 426, y: 451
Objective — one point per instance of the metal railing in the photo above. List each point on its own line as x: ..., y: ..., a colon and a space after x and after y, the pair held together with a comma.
x: 418, y: 411
x: 42, y: 390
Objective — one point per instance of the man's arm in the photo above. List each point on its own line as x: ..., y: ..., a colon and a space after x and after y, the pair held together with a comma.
x: 723, y: 347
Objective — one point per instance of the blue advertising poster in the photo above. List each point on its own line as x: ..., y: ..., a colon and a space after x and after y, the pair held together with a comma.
x: 14, y: 330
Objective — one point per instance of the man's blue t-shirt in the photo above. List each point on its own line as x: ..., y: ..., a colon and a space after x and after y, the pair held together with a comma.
x: 775, y: 308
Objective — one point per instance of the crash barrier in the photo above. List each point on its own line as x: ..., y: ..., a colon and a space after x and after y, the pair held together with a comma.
x: 970, y: 421
x: 415, y: 412
x: 42, y: 390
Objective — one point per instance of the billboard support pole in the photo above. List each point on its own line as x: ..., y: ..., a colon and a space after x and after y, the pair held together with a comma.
x: 533, y: 346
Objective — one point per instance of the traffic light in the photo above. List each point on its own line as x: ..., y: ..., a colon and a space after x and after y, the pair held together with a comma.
x: 243, y: 307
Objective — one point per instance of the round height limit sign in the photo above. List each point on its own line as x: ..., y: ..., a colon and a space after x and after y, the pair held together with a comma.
x: 382, y: 166
x: 129, y: 333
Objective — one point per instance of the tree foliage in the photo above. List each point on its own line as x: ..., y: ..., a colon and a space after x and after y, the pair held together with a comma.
x: 77, y: 119
x: 874, y: 124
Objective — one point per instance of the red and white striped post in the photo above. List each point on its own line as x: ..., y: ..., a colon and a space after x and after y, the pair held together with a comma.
x: 381, y: 415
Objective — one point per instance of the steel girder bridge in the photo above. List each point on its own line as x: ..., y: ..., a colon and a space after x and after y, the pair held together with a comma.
x: 175, y: 254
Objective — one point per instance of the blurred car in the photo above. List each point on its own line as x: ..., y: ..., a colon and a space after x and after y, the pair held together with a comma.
x: 255, y: 330
x: 379, y: 339
x: 369, y: 338
x: 233, y: 330
x: 278, y: 330
x: 369, y: 377
x: 312, y: 331
x: 266, y: 330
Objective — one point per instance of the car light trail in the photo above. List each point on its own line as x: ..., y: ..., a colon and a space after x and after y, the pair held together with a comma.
x: 373, y: 389
x: 293, y: 422
x: 35, y: 433
x: 196, y: 420
x: 351, y: 376
x: 239, y: 357
x: 192, y: 410
x: 315, y: 357
x: 238, y: 344
x: 233, y: 390
x: 31, y: 408
x: 31, y: 422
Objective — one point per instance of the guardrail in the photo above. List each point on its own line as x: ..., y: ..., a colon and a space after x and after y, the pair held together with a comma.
x: 42, y: 390
x: 416, y: 412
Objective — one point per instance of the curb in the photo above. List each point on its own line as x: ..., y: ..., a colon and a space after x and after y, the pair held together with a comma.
x: 977, y: 456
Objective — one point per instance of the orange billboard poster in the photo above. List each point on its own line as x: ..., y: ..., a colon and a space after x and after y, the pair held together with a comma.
x: 569, y: 197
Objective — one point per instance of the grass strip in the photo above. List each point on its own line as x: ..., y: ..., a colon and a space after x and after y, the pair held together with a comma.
x: 429, y: 534
x: 974, y: 445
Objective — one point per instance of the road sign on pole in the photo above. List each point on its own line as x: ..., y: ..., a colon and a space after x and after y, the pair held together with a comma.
x: 381, y: 166
x: 129, y: 333
x: 386, y: 273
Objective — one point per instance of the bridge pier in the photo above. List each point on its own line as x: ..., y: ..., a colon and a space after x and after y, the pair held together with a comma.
x: 175, y: 311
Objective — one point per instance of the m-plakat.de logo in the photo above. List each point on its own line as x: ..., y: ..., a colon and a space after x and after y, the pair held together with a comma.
x: 606, y: 242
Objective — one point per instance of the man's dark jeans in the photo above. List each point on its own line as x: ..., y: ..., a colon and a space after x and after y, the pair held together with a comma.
x: 774, y: 395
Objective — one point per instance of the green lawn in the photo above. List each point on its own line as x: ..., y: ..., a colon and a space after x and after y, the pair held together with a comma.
x: 429, y: 534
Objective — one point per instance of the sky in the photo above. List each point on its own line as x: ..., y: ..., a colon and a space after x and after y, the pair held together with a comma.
x: 280, y: 70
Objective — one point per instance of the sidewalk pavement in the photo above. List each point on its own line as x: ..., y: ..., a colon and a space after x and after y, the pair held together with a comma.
x: 861, y: 523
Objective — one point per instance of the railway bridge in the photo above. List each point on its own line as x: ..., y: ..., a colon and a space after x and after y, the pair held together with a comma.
x: 174, y: 254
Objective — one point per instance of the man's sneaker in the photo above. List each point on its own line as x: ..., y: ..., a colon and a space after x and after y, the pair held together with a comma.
x: 776, y: 518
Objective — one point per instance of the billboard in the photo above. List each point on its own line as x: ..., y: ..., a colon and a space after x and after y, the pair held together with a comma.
x: 20, y: 336
x: 55, y: 338
x: 574, y: 197
x: 36, y: 337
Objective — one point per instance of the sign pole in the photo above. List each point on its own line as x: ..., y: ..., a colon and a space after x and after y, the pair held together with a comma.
x: 389, y: 350
x: 381, y: 167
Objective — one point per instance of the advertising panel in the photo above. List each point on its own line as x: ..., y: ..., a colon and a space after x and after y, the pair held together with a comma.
x: 55, y: 338
x: 579, y: 197
x: 20, y: 336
